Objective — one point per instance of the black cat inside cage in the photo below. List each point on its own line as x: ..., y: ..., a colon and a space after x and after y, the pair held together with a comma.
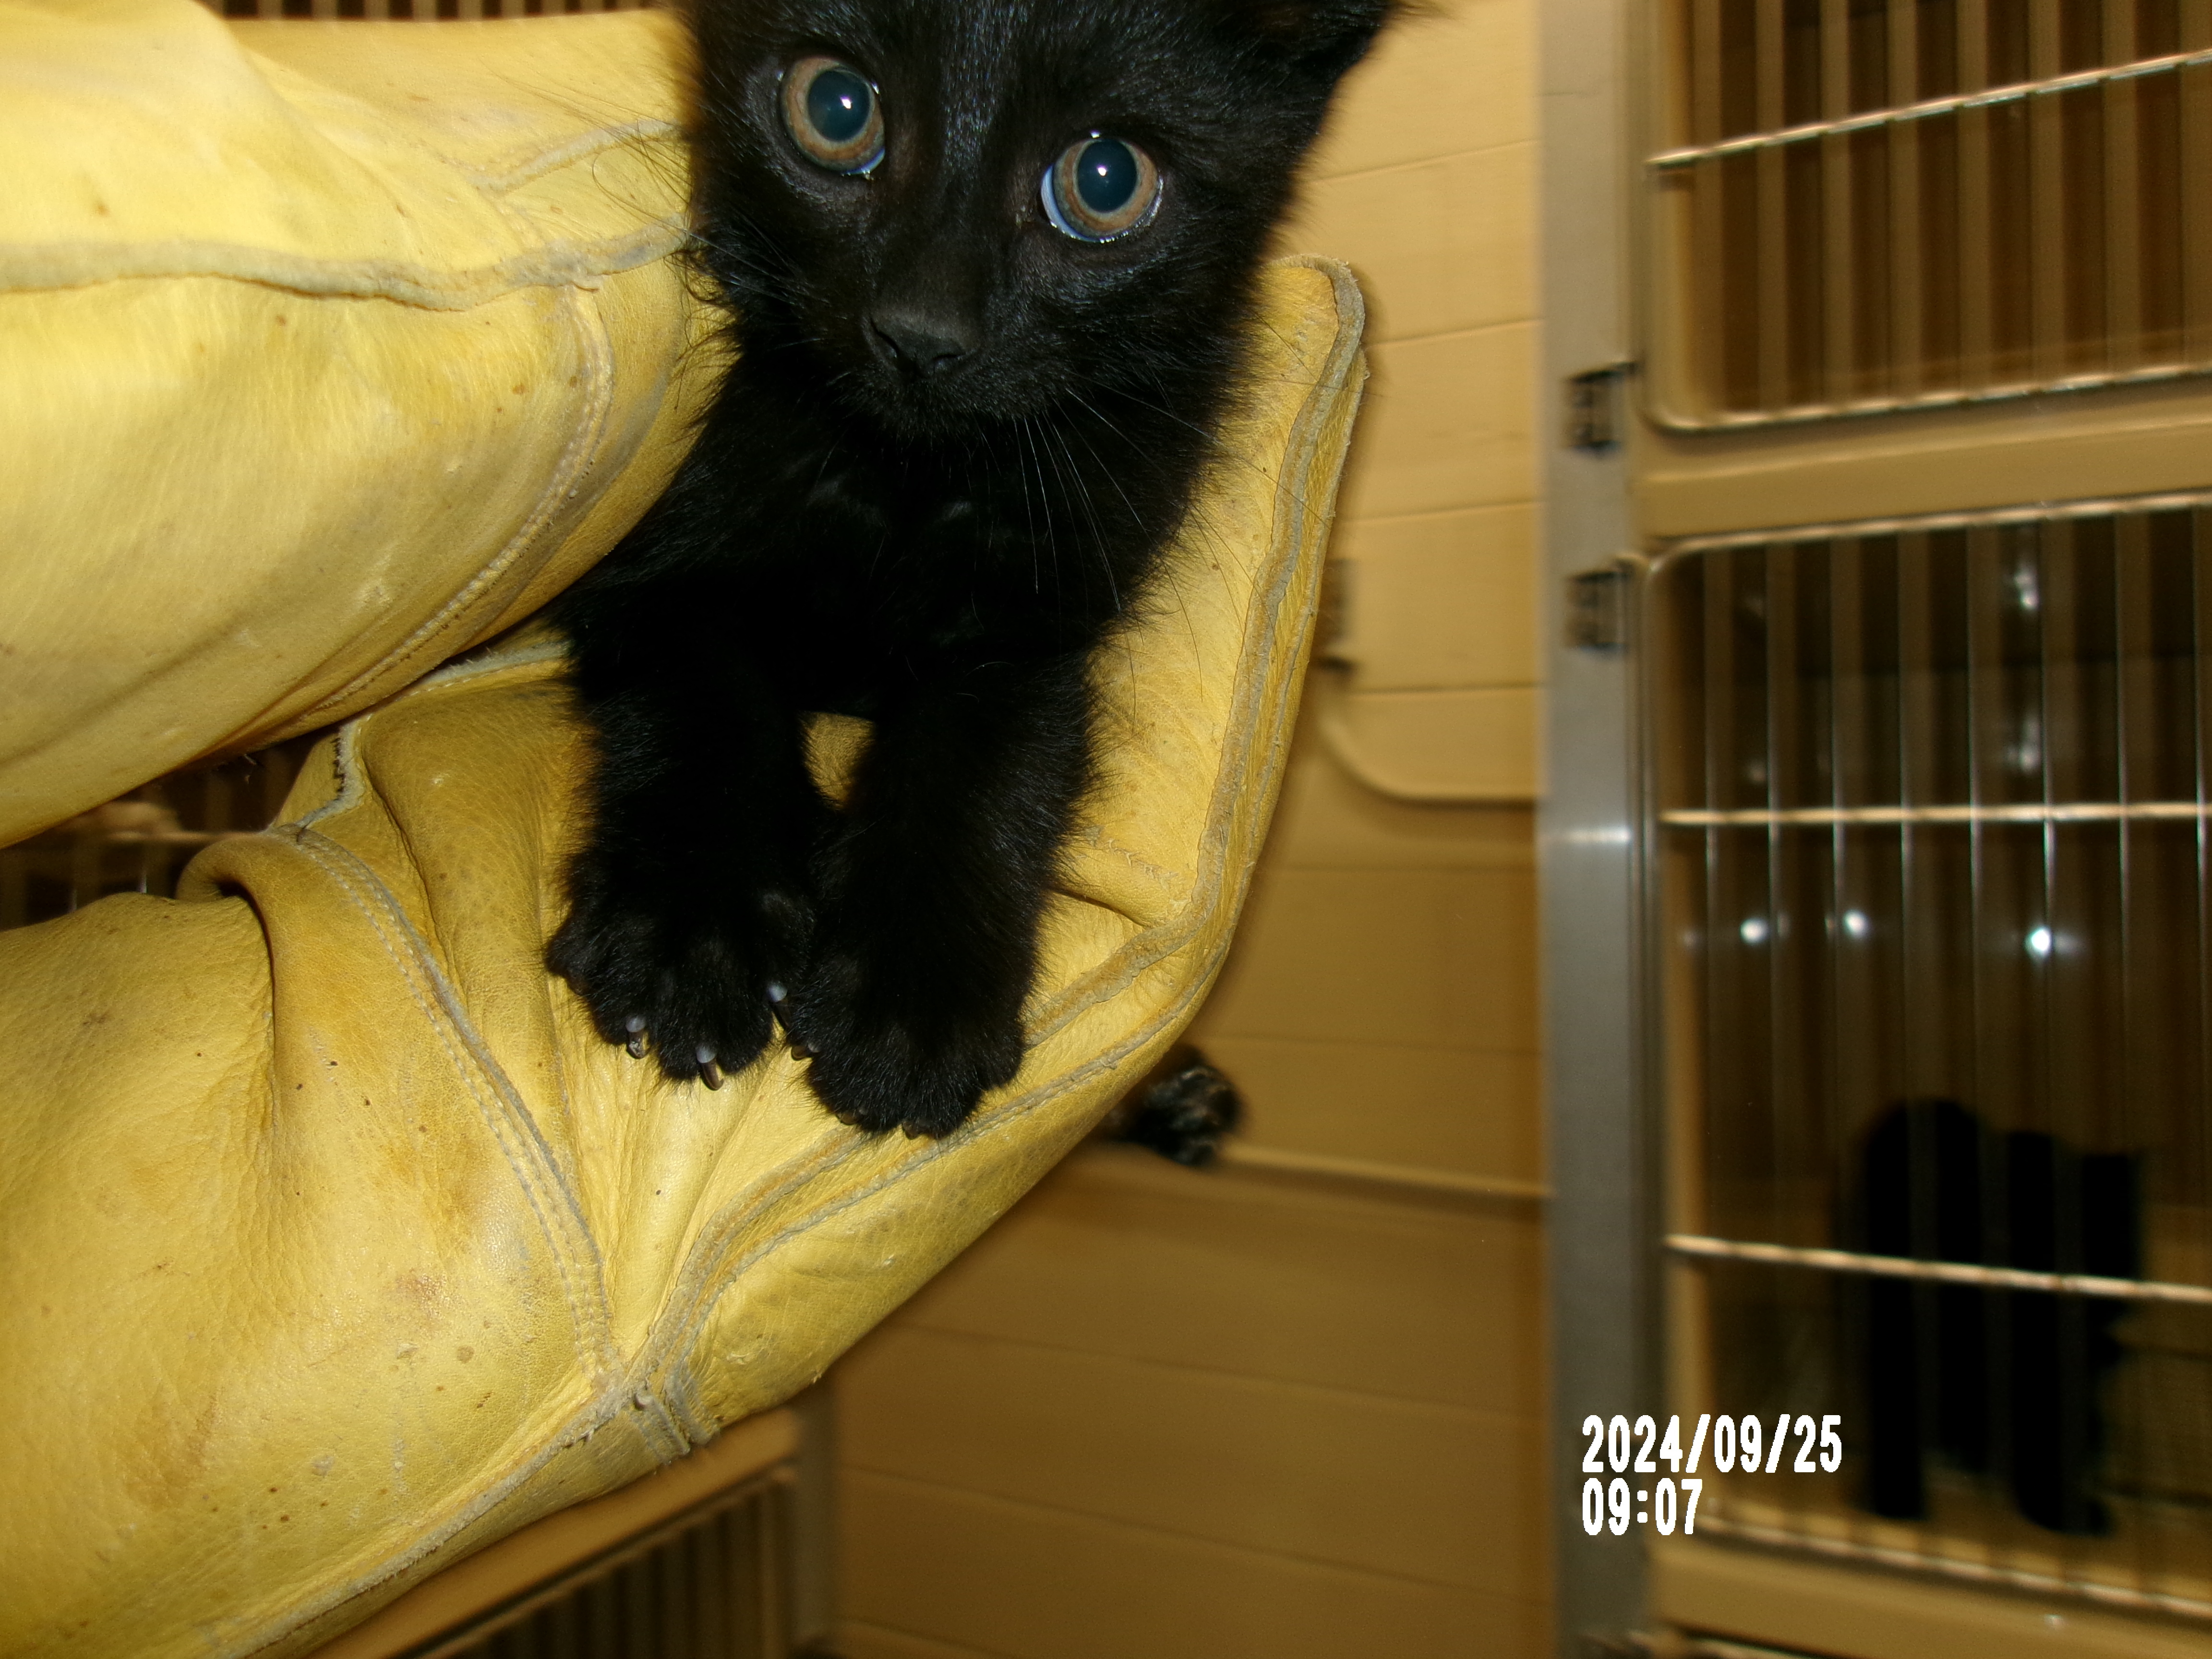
x: 1995, y: 1380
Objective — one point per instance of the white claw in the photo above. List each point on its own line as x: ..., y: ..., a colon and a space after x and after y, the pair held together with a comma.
x: 703, y: 1054
x: 634, y: 1024
x: 775, y: 993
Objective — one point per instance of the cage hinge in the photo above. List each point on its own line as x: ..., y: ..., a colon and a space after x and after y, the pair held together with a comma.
x: 1597, y: 608
x: 1593, y: 408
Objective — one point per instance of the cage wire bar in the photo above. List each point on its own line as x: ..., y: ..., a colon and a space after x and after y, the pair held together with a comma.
x: 1874, y: 205
x: 1932, y: 824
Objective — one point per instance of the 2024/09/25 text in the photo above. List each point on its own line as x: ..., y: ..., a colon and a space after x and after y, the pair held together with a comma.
x: 1735, y: 1443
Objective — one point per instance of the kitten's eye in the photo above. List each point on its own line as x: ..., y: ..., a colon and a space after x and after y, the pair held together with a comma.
x: 832, y: 113
x: 1100, y: 188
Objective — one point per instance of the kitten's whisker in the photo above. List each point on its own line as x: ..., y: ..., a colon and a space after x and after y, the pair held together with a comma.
x: 1091, y: 510
x: 1221, y: 451
x: 1041, y: 434
x: 1211, y: 441
x: 1194, y: 512
x: 1038, y: 450
x: 1029, y: 511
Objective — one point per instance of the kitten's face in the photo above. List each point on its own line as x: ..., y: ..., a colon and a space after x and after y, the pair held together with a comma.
x: 955, y: 213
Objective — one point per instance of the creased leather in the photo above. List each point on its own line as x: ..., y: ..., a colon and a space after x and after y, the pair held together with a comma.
x: 326, y: 351
x: 334, y: 1245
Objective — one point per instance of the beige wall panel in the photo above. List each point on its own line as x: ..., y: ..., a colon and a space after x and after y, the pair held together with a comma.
x: 1037, y: 1583
x: 1382, y: 1484
x: 1386, y: 955
x: 1440, y: 599
x: 1446, y: 424
x: 1327, y: 821
x: 1492, y: 982
x: 1477, y: 743
x: 1461, y: 77
x: 1346, y: 954
x: 1466, y: 1110
x: 1441, y: 246
x: 1119, y: 1253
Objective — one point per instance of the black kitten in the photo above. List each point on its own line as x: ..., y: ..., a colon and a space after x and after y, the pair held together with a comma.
x: 2014, y: 1374
x: 988, y: 262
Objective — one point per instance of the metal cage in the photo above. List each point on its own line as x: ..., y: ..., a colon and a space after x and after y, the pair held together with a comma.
x: 1872, y: 205
x: 1930, y: 837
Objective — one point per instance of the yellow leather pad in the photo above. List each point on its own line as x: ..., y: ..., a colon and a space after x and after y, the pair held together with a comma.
x: 335, y: 1245
x: 326, y: 351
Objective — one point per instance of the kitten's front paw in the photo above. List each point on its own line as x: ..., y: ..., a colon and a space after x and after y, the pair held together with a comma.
x: 694, y: 982
x: 901, y: 1047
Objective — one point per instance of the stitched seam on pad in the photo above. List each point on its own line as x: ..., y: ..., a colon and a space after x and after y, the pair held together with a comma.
x: 580, y: 149
x: 349, y: 794
x: 597, y: 1411
x: 475, y: 667
x: 587, y: 1299
x: 699, y: 1282
x: 1315, y: 416
x: 411, y: 958
x: 675, y: 1350
x: 1260, y: 644
x: 351, y: 783
x: 589, y: 330
x: 1168, y: 880
x: 86, y: 265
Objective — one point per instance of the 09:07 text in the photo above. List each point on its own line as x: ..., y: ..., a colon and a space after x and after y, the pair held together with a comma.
x: 1610, y: 1506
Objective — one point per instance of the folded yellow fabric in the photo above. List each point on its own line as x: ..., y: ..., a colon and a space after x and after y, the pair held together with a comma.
x: 335, y: 1245
x: 326, y: 350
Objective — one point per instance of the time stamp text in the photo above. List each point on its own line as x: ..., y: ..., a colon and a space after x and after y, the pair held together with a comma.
x: 1637, y: 1448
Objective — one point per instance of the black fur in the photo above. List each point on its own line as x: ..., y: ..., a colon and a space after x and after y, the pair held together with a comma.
x: 1182, y: 1109
x: 2002, y: 1378
x: 938, y: 551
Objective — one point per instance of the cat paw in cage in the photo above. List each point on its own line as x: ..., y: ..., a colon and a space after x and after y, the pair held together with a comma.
x: 1183, y: 1109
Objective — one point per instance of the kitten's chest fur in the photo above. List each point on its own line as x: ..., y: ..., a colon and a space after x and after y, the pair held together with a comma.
x: 862, y: 565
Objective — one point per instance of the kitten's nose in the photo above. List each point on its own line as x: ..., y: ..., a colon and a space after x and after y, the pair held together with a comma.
x: 919, y: 342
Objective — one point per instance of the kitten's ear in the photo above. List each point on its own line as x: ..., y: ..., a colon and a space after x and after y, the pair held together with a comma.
x: 1327, y: 36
